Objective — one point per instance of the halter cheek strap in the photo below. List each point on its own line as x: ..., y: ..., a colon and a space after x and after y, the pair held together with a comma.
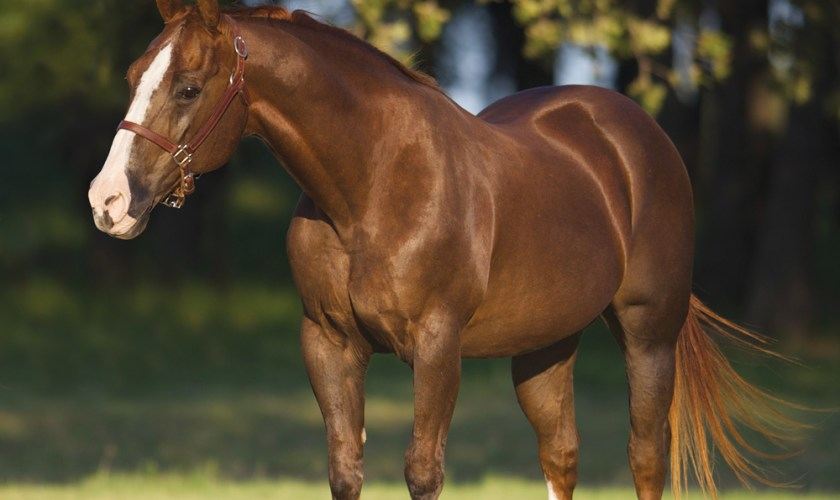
x: 182, y: 154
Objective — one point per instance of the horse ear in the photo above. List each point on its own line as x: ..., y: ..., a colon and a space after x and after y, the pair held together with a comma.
x: 168, y: 8
x: 209, y: 10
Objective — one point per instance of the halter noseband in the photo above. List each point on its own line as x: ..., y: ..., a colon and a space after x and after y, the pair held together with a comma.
x: 182, y: 154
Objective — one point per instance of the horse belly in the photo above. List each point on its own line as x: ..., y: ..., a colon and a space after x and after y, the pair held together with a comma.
x: 555, y: 269
x: 524, y: 317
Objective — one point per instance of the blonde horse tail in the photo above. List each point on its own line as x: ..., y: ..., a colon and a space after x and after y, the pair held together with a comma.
x: 713, y: 405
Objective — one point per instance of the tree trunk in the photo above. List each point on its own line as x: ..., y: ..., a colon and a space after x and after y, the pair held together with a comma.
x: 780, y: 301
x: 510, y: 40
x: 725, y: 238
x: 782, y: 295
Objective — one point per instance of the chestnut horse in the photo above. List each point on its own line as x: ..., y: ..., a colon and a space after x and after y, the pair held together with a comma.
x: 433, y: 234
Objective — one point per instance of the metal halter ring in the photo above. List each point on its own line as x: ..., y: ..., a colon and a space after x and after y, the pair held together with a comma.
x: 240, y: 47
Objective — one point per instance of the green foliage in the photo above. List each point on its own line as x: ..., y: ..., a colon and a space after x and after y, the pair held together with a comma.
x: 647, y: 36
x: 648, y: 93
x: 621, y: 29
x: 542, y: 36
x: 714, y: 48
x: 430, y: 19
x: 53, y: 50
x: 627, y: 35
x: 589, y: 23
x: 74, y: 53
x: 387, y: 25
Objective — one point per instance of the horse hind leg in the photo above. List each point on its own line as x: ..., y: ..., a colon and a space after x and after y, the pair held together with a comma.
x: 543, y: 381
x: 647, y: 332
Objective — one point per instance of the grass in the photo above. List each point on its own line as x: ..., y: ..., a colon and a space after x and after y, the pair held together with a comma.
x: 193, y: 392
x: 205, y: 442
x: 203, y: 486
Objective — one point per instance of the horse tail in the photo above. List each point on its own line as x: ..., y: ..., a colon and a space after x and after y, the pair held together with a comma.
x: 712, y: 406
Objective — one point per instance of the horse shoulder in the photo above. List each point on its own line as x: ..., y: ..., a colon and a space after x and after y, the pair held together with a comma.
x: 320, y: 266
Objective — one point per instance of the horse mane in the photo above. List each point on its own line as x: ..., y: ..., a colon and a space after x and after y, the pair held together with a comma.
x: 304, y: 18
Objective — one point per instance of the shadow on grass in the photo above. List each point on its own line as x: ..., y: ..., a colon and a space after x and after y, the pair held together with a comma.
x: 209, y: 382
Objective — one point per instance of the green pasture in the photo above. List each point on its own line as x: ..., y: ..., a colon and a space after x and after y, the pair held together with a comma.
x: 199, y: 486
x: 197, y: 392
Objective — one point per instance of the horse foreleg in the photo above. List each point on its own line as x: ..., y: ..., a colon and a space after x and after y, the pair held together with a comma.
x: 337, y: 372
x: 437, y: 374
x: 544, y: 388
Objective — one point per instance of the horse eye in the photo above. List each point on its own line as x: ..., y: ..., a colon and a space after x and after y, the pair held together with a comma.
x: 189, y: 93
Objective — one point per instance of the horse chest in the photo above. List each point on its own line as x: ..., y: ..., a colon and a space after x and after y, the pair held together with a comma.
x: 356, y: 299
x: 356, y: 294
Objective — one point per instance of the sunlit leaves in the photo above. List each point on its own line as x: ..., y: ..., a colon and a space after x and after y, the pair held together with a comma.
x: 387, y: 25
x: 603, y: 23
x: 647, y: 37
x: 651, y: 95
x: 620, y: 29
x: 72, y: 51
x: 799, y: 87
x: 665, y: 8
x: 391, y: 37
x: 628, y: 35
x: 542, y: 36
x: 714, y: 48
x: 369, y: 11
x: 606, y: 30
x: 528, y: 11
x: 430, y: 19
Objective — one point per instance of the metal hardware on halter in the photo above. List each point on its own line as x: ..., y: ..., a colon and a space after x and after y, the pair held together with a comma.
x: 182, y: 154
x: 173, y: 201
x: 240, y: 47
x: 186, y: 186
x: 185, y: 158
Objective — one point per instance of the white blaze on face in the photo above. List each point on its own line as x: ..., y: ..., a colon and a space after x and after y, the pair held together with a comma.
x: 109, y: 191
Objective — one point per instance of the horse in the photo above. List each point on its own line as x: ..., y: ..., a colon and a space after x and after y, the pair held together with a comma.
x: 433, y: 234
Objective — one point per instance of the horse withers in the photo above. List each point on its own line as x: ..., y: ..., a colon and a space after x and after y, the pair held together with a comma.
x: 434, y: 234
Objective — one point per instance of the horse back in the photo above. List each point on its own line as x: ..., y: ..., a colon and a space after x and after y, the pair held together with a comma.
x: 608, y: 136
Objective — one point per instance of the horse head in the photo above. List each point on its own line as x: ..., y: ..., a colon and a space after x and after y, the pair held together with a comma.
x: 181, y: 94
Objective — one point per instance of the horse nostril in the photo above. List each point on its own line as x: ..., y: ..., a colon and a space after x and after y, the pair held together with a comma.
x: 103, y: 220
x: 115, y: 206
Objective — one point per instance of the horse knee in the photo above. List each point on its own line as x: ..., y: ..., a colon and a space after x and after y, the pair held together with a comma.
x: 424, y: 476
x: 346, y: 479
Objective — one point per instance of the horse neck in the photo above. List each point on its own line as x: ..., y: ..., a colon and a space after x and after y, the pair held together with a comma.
x: 332, y: 111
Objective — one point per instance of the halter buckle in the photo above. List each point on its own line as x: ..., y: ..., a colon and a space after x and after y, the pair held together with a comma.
x: 182, y: 156
x: 173, y: 200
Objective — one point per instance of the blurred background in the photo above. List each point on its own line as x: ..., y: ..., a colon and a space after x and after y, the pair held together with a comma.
x: 171, y: 363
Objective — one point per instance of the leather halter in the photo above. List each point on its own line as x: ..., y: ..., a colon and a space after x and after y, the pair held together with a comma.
x: 182, y: 154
